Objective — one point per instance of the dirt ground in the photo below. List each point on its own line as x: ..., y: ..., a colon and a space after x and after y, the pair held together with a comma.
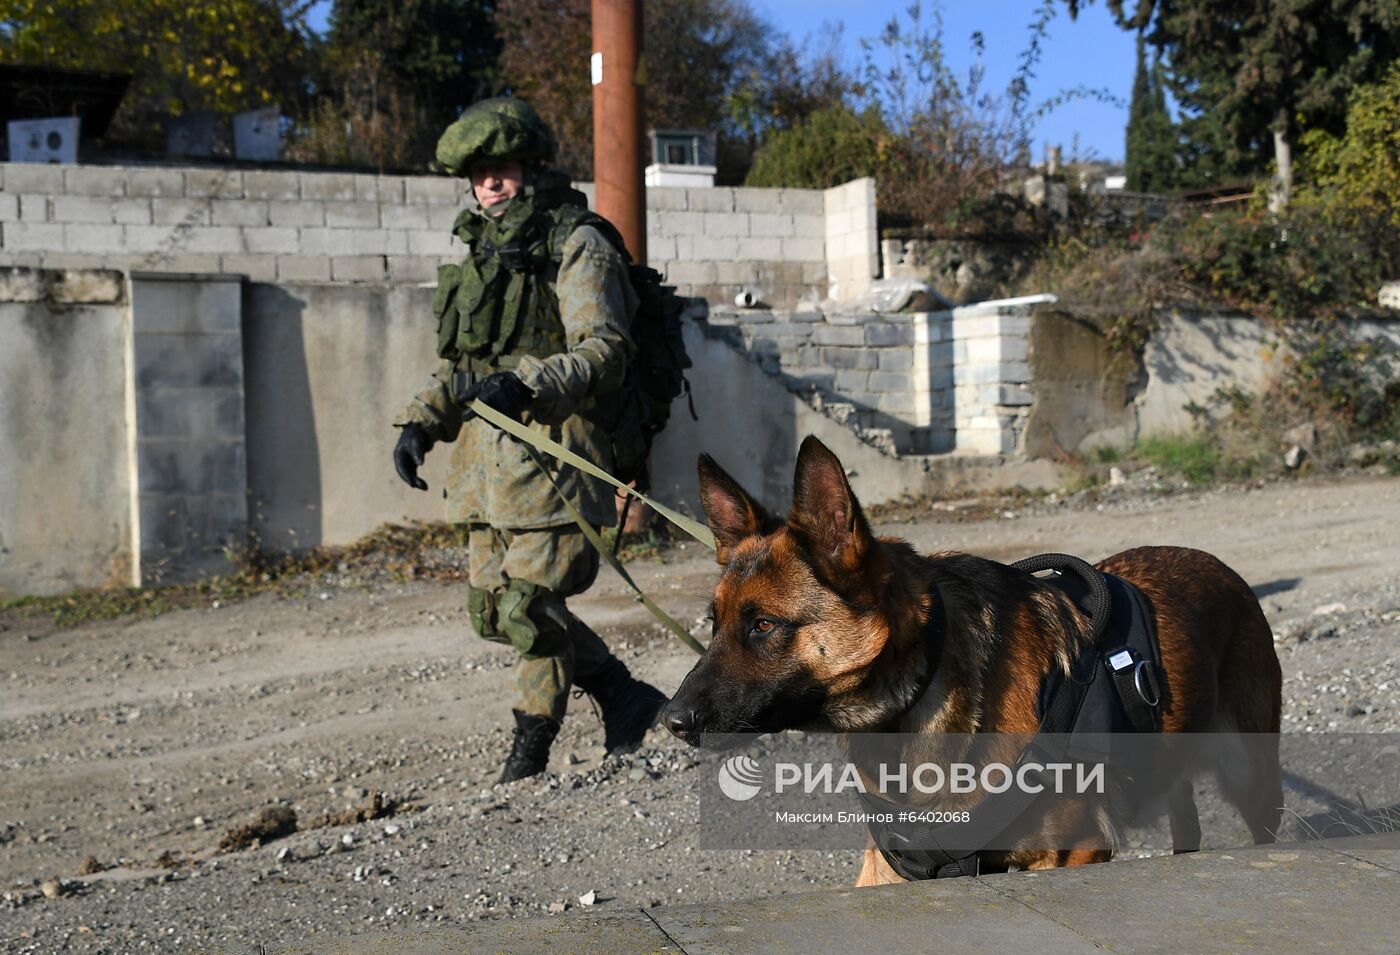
x: 130, y: 748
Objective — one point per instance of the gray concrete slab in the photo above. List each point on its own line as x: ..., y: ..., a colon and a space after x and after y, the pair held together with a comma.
x: 1381, y: 849
x: 1287, y: 898
x: 622, y: 933
x: 953, y: 915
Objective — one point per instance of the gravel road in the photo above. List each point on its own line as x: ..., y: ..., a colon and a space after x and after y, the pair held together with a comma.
x: 130, y: 748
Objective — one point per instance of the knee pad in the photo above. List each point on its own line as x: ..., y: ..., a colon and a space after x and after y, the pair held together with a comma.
x: 481, y: 610
x: 533, y: 619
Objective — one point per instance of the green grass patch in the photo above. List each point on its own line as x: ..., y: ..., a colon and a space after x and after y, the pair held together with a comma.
x: 1194, y: 457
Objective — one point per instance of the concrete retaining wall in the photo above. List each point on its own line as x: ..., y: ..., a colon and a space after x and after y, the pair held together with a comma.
x: 290, y: 226
x: 66, y: 484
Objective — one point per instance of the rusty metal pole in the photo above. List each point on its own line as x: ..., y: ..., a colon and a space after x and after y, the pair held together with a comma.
x: 617, y: 120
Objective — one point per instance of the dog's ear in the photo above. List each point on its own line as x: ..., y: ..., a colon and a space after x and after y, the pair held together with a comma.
x: 826, y: 514
x: 729, y: 510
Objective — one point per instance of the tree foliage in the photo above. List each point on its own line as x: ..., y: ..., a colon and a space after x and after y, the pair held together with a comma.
x: 1251, y: 73
x: 710, y: 64
x: 1151, y: 159
x: 393, y: 74
x: 185, y: 55
x: 1362, y: 166
x: 828, y: 147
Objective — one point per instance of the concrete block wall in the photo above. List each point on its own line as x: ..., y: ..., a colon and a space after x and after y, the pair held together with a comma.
x: 991, y: 377
x: 292, y: 226
x: 852, y: 238
x: 189, y: 428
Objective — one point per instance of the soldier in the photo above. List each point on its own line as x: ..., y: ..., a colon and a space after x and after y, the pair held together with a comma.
x: 533, y: 322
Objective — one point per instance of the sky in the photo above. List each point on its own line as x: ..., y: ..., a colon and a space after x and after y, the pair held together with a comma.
x: 1089, y: 52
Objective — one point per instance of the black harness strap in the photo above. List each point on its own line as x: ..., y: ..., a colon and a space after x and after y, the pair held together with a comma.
x: 1123, y: 649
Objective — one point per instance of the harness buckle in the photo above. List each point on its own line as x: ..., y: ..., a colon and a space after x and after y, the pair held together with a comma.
x: 513, y: 257
x: 1142, y: 674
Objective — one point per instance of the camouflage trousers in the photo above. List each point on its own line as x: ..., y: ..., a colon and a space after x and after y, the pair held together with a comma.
x: 518, y: 582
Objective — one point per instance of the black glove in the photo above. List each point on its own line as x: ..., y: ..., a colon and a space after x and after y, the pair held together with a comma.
x: 413, y: 444
x: 502, y: 390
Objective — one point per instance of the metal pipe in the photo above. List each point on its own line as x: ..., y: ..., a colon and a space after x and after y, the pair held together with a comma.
x: 617, y: 120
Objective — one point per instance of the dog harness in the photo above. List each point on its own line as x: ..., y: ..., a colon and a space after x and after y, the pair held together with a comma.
x: 1114, y: 686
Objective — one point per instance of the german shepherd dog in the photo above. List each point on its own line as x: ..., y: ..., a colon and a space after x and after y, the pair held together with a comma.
x: 820, y: 625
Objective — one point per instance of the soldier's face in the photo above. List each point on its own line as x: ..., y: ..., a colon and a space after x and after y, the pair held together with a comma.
x: 497, y: 183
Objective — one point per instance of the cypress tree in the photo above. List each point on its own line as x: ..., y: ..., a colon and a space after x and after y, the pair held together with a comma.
x: 1151, y: 162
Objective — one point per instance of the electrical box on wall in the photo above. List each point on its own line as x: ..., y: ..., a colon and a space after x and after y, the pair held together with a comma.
x: 44, y: 140
x: 257, y: 134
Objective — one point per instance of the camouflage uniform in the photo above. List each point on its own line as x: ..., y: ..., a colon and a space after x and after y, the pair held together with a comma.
x: 562, y: 329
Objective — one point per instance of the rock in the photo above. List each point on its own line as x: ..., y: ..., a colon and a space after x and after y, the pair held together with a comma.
x: 588, y: 898
x: 1326, y: 610
x: 1115, y: 477
x: 89, y: 866
x: 271, y: 822
x: 557, y: 908
x: 53, y: 888
x: 1389, y: 295
x: 1294, y: 457
x: 1303, y: 436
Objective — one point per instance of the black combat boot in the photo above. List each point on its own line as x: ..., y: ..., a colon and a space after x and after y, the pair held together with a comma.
x: 629, y: 706
x: 529, y: 751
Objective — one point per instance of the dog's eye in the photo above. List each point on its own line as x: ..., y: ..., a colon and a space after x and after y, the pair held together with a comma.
x: 763, y: 626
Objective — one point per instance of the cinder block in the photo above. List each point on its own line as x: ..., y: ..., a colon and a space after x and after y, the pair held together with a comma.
x: 765, y: 225
x: 716, y: 249
x: 399, y: 216
x: 276, y: 186
x: 660, y: 248
x: 131, y: 211
x: 329, y: 186
x: 760, y: 250
x: 9, y: 207
x: 884, y: 334
x: 679, y: 223
x: 150, y: 183
x: 94, y: 209
x: 430, y: 190
x: 332, y: 242
x: 352, y: 215
x: 896, y: 359
x: 191, y: 468
x: 216, y: 183
x: 889, y: 381
x: 388, y: 189
x: 213, y: 240
x: 34, y: 178
x: 814, y: 273
x: 668, y: 198
x: 849, y: 380
x: 303, y: 268
x: 758, y: 200
x: 896, y: 402
x: 239, y: 212
x: 736, y: 273
x: 715, y: 199
x: 304, y: 212
x: 725, y: 224
x: 65, y: 260
x: 807, y: 202
x: 431, y: 243
x: 690, y: 273
x: 826, y: 334
x: 88, y: 239
x: 94, y: 181
x: 271, y: 241
x: 34, y: 208
x: 809, y: 227
x: 141, y: 239
x: 358, y: 268
x: 411, y: 268
x: 849, y: 359
x: 804, y: 250
x: 190, y: 413
x: 258, y: 268
x: 180, y: 211
x: 186, y: 262
x: 685, y: 248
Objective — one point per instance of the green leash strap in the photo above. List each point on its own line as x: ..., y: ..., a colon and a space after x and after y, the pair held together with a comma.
x: 666, y: 619
x: 538, y: 441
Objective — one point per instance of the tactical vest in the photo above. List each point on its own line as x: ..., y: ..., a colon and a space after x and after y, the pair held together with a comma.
x: 499, y: 303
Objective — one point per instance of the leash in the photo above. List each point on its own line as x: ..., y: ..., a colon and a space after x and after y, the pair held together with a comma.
x: 533, y: 443
x: 539, y: 442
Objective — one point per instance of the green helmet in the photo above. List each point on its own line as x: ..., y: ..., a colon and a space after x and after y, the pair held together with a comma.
x: 495, y: 129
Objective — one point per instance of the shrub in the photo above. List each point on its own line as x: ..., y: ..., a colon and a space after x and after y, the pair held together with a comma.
x: 827, y: 148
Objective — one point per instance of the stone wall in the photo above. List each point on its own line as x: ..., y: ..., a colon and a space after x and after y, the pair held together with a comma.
x: 288, y: 226
x: 852, y: 238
